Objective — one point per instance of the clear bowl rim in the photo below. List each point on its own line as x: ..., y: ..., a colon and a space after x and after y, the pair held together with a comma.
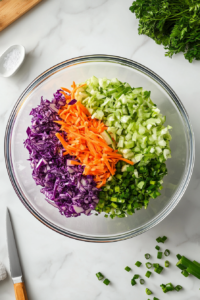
x: 101, y: 58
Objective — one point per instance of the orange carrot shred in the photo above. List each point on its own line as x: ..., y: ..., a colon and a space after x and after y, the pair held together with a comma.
x: 66, y: 90
x: 73, y: 162
x: 84, y: 140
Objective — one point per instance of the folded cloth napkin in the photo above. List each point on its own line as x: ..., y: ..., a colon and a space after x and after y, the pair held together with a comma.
x: 3, y: 273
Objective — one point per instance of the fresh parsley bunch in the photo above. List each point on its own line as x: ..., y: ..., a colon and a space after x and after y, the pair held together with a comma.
x: 172, y: 23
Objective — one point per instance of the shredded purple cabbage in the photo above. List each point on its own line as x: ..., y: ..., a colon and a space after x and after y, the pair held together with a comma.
x: 63, y: 184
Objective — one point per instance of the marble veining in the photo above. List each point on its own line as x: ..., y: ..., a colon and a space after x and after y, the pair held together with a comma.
x: 56, y: 267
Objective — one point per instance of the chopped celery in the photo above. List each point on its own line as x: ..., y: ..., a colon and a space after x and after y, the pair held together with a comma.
x: 131, y: 113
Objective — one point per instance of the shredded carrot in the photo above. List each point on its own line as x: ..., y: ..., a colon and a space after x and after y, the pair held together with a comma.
x: 84, y: 140
x: 73, y: 162
x: 66, y: 90
x: 67, y: 97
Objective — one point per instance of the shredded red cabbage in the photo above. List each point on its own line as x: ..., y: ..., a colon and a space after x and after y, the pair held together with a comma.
x: 63, y: 184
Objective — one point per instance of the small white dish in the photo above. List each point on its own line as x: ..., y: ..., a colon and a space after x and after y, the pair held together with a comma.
x: 11, y: 60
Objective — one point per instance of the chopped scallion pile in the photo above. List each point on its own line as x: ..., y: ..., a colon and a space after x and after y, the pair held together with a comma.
x: 100, y: 276
x: 167, y: 252
x: 138, y: 263
x: 148, y: 274
x: 128, y: 269
x: 135, y: 190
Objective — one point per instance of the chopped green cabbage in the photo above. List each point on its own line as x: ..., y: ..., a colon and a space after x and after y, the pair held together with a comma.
x: 133, y: 120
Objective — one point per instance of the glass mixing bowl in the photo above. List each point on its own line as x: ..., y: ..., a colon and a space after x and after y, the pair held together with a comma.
x: 97, y: 228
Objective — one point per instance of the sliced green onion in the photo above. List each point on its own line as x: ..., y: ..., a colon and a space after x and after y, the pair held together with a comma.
x: 163, y: 286
x: 196, y: 263
x: 169, y: 287
x: 147, y: 255
x: 148, y: 274
x: 99, y: 275
x: 167, y: 264
x: 148, y: 265
x: 159, y: 255
x: 138, y: 263
x: 142, y: 281
x: 190, y: 266
x: 178, y: 288
x: 167, y: 252
x: 133, y: 282
x: 157, y: 247
x: 180, y: 266
x: 148, y: 292
x: 178, y: 256
x: 185, y: 273
x: 164, y: 238
x: 192, y: 271
x: 161, y: 239
x: 106, y: 281
x: 156, y: 265
x: 154, y: 298
x: 158, y: 270
x: 136, y: 276
x: 128, y: 269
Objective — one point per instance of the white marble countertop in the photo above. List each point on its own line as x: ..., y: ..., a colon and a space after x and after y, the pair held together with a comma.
x: 56, y: 267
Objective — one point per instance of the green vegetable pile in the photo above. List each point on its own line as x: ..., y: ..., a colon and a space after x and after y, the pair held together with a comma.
x: 174, y: 23
x: 134, y: 122
x: 132, y: 189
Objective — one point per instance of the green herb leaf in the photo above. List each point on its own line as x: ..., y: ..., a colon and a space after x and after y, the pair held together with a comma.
x: 173, y: 24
